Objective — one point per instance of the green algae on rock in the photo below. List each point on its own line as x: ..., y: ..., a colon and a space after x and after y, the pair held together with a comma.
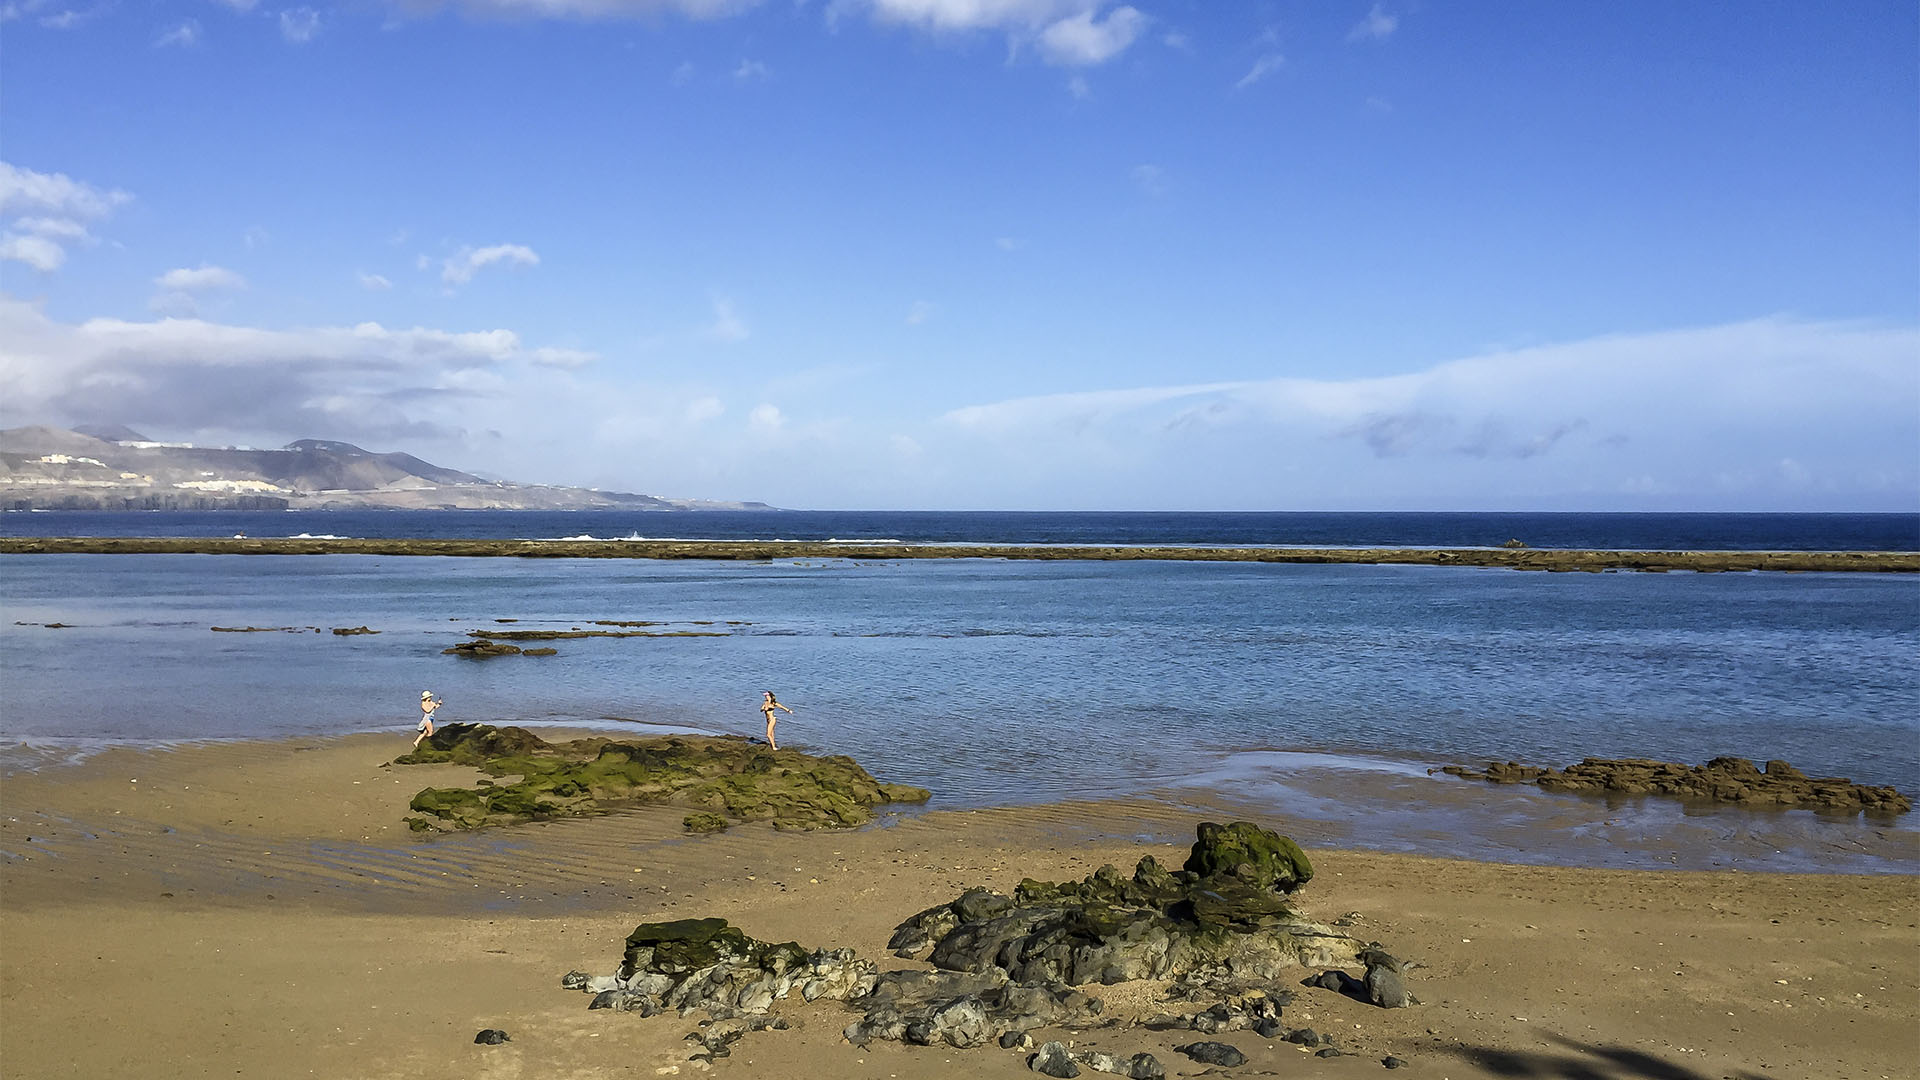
x: 727, y: 777
x: 1724, y: 779
x: 1229, y: 910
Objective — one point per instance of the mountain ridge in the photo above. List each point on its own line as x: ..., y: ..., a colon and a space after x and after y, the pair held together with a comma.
x: 51, y: 468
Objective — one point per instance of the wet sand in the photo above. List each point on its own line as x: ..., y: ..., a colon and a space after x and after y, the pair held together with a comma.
x: 259, y: 909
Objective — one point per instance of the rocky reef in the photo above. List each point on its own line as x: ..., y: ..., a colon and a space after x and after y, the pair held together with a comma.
x: 1724, y: 779
x: 1553, y: 560
x: 726, y: 777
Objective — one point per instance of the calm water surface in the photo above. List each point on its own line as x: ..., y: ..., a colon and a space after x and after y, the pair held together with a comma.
x: 991, y: 681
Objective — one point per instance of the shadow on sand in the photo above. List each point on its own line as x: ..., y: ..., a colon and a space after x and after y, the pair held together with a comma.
x: 1587, y: 1061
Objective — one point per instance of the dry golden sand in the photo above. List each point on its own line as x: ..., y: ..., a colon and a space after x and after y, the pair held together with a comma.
x: 259, y: 910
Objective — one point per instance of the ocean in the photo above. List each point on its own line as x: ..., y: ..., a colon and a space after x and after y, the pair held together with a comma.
x: 995, y: 681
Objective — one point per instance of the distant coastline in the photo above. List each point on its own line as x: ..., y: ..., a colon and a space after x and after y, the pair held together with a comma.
x: 1550, y: 560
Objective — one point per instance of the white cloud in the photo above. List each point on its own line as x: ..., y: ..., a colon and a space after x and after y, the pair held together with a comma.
x: 200, y: 279
x: 1267, y: 64
x: 600, y: 9
x: 459, y: 268
x: 750, y: 71
x: 36, y: 251
x: 550, y: 356
x: 374, y: 282
x: 48, y: 212
x: 72, y: 18
x: 299, y: 25
x: 183, y: 289
x: 187, y: 374
x: 51, y: 228
x: 1377, y: 26
x: 765, y: 418
x: 239, y: 5
x: 920, y: 312
x: 1082, y: 40
x: 184, y: 34
x: 702, y: 409
x: 1707, y: 412
x: 1079, y: 88
x: 1071, y: 33
x: 1007, y: 243
x: 24, y: 190
x: 727, y: 325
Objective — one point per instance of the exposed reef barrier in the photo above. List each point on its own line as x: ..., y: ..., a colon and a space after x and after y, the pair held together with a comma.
x: 1548, y: 559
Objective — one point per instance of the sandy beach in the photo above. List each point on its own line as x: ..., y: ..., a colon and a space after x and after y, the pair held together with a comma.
x: 260, y: 909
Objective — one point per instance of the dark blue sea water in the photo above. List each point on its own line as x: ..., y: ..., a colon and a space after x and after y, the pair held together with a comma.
x: 1684, y: 532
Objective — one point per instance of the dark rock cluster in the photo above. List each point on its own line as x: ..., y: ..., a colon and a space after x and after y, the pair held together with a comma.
x: 1006, y: 966
x: 1724, y: 779
x: 963, y: 1010
x: 724, y: 777
x: 1226, y: 910
x: 481, y: 649
x: 711, y: 966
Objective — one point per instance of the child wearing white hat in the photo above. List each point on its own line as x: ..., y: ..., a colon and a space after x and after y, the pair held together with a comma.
x: 428, y: 703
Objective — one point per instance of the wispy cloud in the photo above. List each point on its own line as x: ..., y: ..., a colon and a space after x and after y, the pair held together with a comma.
x: 1377, y: 26
x: 1084, y: 39
x: 299, y: 25
x: 920, y: 312
x: 47, y: 213
x: 183, y: 34
x: 459, y: 268
x: 374, y: 282
x: 750, y: 71
x: 727, y: 325
x: 1151, y: 179
x: 1267, y: 64
x: 1069, y: 33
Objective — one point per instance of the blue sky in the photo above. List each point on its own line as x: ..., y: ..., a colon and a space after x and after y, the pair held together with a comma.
x: 1027, y: 254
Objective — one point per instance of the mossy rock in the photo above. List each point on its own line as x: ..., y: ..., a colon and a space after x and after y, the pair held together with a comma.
x: 1260, y: 857
x: 704, y: 822
x: 727, y: 778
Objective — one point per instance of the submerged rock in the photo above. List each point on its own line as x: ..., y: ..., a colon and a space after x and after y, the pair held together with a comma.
x: 729, y: 778
x: 1724, y: 779
x: 481, y: 649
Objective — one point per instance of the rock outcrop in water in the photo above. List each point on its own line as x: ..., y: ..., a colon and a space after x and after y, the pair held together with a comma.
x: 1724, y: 779
x: 741, y: 780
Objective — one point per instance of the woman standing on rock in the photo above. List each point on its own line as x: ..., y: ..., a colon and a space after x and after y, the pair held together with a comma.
x: 767, y: 707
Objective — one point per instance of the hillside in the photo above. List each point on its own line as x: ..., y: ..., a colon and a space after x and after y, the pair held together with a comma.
x: 117, y: 469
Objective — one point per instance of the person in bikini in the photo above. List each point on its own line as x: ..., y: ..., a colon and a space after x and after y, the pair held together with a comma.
x: 428, y: 703
x: 767, y: 707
